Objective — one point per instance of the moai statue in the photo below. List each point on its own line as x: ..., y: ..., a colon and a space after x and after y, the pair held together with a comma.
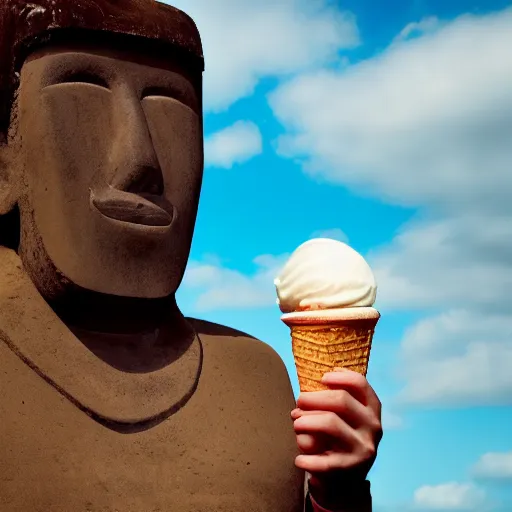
x: 111, y: 399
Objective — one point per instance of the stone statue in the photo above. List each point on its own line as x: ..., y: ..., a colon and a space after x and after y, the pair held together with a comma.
x: 111, y: 399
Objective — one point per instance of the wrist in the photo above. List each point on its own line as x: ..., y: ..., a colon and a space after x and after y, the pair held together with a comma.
x: 340, y: 495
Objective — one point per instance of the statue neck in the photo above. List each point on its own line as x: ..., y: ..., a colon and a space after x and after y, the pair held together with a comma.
x: 96, y: 312
x: 132, y: 335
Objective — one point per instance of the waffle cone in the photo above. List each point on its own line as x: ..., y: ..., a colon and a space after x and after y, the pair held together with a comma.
x: 328, y: 339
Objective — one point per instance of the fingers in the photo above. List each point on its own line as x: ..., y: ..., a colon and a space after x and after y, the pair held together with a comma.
x: 307, y: 443
x: 326, y: 424
x: 354, y: 383
x: 338, y: 430
x: 312, y: 444
x: 338, y: 401
x: 325, y: 462
x: 328, y: 444
x: 297, y: 413
x: 313, y: 463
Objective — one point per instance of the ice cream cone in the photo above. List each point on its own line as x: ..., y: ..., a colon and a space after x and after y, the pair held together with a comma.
x: 326, y: 339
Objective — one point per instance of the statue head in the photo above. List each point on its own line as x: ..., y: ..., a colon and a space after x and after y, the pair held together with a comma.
x: 101, y: 148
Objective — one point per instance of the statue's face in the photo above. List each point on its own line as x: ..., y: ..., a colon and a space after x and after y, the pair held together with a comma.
x: 112, y: 157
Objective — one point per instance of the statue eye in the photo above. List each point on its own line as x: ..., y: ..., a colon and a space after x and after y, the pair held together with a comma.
x: 85, y: 78
x: 174, y: 93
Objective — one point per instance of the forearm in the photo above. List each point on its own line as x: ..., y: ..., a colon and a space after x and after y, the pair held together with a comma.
x: 354, y: 498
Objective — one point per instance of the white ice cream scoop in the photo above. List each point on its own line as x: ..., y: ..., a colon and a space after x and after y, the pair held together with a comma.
x: 325, y: 274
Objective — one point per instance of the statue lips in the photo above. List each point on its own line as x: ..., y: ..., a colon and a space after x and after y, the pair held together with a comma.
x: 142, y: 209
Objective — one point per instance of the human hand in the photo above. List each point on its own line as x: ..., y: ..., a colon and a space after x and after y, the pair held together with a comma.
x: 338, y: 432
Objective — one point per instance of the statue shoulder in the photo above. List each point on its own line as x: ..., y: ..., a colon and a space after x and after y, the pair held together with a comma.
x: 242, y: 350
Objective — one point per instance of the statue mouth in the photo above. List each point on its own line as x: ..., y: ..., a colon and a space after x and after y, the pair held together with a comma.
x: 142, y: 209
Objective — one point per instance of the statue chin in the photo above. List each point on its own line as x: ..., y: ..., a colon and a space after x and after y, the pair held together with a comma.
x: 54, y: 275
x: 54, y: 280
x: 155, y: 289
x: 128, y: 279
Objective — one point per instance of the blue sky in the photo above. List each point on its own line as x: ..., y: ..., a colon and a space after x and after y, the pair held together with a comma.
x: 387, y: 125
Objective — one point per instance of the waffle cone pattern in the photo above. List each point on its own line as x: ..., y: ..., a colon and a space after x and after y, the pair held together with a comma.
x: 320, y: 345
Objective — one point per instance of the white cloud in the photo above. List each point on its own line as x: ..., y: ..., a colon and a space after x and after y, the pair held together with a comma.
x: 418, y: 28
x: 245, y: 41
x: 449, y: 496
x: 458, y: 359
x: 428, y: 123
x: 334, y: 234
x: 235, y: 144
x: 494, y: 466
x: 220, y: 287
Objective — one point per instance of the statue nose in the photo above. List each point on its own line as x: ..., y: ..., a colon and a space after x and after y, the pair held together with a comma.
x: 146, y: 180
x: 135, y: 162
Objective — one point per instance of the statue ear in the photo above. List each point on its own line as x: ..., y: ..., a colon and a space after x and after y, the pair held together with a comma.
x: 7, y: 188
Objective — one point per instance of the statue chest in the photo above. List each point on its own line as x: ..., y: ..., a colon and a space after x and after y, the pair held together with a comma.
x: 225, y: 451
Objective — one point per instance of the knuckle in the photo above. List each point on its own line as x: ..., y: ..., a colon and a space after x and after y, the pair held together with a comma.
x: 376, y: 426
x: 341, y: 399
x: 332, y: 419
x: 368, y: 451
x: 332, y: 422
